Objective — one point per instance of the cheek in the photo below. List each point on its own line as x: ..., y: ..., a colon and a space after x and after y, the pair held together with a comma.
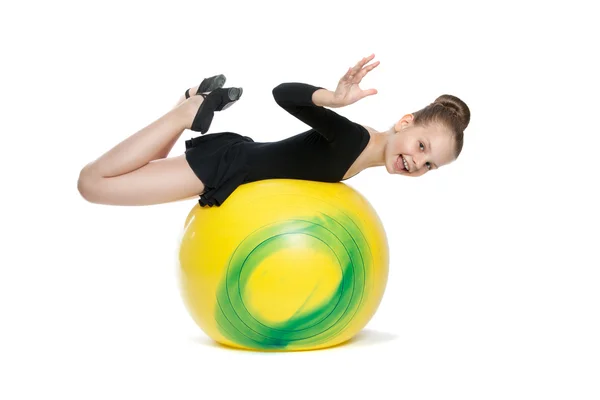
x: 399, y: 146
x: 415, y: 147
x: 391, y: 148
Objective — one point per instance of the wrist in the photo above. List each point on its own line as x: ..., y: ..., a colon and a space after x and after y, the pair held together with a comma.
x: 324, y: 98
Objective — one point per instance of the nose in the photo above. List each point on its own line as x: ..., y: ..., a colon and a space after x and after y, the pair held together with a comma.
x: 418, y: 161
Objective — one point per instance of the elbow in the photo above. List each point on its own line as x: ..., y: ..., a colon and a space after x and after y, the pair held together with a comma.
x: 277, y: 92
x: 283, y: 88
x: 284, y: 94
x: 278, y: 88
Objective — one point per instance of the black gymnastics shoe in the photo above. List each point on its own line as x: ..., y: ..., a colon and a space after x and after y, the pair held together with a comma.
x: 217, y: 100
x: 208, y: 85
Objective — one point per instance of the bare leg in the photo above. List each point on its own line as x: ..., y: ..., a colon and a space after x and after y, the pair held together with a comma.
x: 131, y: 174
x: 182, y: 98
x: 147, y: 144
x: 167, y: 149
x: 160, y: 181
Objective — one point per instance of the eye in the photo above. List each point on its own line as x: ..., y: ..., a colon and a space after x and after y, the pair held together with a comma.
x: 428, y: 164
x: 421, y: 146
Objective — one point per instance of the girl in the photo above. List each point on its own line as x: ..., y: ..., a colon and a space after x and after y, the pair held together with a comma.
x: 138, y: 172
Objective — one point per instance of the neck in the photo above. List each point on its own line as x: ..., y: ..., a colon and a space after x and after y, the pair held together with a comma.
x: 375, y: 151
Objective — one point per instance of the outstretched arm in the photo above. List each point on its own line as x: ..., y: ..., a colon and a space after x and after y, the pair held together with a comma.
x: 306, y: 102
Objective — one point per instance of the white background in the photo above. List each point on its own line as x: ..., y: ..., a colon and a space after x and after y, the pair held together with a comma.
x: 494, y: 276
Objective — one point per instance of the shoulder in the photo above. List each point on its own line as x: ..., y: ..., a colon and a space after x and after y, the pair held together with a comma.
x: 369, y: 129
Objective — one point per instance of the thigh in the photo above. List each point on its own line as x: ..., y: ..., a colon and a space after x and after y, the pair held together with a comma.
x: 160, y: 181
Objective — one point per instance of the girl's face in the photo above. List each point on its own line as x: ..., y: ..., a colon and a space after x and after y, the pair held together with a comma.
x: 420, y: 149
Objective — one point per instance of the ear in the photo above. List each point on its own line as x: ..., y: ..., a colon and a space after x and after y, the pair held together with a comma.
x: 403, y: 122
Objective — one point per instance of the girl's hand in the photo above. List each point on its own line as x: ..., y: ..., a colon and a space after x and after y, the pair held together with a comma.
x: 347, y: 91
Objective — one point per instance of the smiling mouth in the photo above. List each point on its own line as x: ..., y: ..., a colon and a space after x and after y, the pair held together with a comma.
x: 401, y: 163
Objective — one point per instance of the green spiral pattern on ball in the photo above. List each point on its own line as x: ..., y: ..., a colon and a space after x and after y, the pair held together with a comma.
x: 313, y: 326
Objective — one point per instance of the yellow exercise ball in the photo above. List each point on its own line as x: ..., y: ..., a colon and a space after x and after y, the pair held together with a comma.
x: 284, y: 265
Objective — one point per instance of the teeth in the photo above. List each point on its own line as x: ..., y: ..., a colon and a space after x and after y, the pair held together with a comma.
x: 405, y: 163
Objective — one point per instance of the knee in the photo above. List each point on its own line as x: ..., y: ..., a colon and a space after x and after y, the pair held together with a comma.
x: 85, y: 185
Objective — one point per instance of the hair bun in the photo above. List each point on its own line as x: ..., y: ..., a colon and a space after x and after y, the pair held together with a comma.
x: 457, y: 107
x: 448, y: 105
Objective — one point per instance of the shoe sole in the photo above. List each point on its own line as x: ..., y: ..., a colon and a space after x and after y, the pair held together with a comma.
x: 202, y: 126
x: 234, y: 95
x: 216, y: 82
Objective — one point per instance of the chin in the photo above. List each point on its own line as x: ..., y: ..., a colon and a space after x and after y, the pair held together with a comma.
x: 389, y: 166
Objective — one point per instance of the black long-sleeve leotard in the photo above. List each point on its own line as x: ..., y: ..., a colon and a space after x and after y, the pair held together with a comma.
x: 323, y: 153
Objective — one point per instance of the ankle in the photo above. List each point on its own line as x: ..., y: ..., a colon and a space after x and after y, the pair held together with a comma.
x: 189, y: 108
x: 194, y: 91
